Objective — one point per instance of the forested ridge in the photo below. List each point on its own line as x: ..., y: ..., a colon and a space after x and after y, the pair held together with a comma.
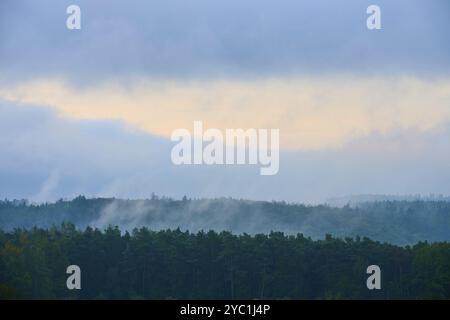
x: 166, y: 249
x: 396, y: 222
x: 167, y: 264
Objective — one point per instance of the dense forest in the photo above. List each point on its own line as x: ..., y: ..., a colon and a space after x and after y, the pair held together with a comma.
x: 396, y: 222
x: 174, y: 264
x: 223, y: 249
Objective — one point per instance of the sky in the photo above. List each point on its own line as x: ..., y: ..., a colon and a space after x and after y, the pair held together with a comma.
x: 91, y: 111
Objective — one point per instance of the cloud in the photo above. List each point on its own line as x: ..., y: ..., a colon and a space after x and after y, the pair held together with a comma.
x: 312, y: 113
x: 210, y: 39
x: 40, y: 149
x: 107, y: 158
x: 89, y: 111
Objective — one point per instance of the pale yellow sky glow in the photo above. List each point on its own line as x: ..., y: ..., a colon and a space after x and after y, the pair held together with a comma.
x: 311, y: 112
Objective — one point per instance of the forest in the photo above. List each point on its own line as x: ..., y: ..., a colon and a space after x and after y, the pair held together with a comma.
x: 223, y: 249
x: 174, y: 264
x: 397, y: 222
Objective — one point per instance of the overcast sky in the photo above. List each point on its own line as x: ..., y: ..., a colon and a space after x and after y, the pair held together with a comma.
x: 91, y: 111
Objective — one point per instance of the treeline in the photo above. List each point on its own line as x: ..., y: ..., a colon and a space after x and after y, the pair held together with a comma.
x: 167, y: 264
x: 396, y: 222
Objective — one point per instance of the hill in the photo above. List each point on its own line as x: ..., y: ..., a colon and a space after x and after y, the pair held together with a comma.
x: 396, y: 222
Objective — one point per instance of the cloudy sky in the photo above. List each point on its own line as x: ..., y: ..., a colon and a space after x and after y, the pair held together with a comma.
x: 91, y: 111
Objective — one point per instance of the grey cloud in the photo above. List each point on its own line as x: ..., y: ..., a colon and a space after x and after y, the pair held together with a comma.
x: 184, y: 38
x: 45, y: 157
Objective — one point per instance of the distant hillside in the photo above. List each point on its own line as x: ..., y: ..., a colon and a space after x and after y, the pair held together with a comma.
x: 398, y: 222
x: 355, y: 200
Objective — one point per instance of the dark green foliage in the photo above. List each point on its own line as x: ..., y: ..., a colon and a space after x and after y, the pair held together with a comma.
x: 396, y: 222
x: 208, y: 265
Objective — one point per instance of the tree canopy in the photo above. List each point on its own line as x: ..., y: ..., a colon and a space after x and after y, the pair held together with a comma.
x: 172, y: 264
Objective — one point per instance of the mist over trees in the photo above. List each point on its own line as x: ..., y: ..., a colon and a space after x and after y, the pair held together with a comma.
x: 223, y: 249
x: 396, y: 222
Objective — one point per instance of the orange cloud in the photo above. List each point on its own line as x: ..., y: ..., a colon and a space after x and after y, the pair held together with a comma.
x: 311, y: 112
